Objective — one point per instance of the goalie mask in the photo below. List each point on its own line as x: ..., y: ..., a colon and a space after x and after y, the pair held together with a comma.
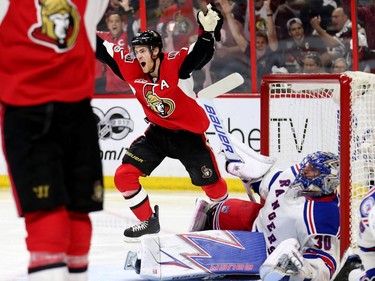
x: 319, y: 174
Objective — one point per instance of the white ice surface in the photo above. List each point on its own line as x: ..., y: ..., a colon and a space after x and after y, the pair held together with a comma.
x: 108, y: 250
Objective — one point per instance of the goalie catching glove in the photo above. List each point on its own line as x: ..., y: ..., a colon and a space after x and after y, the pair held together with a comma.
x: 211, y: 21
x: 253, y: 165
x: 286, y: 263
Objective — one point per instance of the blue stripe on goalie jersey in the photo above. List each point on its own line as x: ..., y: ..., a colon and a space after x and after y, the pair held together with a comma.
x: 370, y: 273
x: 256, y: 185
x: 322, y: 217
x: 367, y: 249
x: 274, y: 177
x: 328, y: 260
x: 294, y: 170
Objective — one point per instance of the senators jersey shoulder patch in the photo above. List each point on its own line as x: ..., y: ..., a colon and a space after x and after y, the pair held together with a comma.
x: 118, y: 49
x: 129, y: 58
x: 173, y: 55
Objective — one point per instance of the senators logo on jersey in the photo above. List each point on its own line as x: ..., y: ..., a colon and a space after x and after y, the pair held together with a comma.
x: 58, y: 24
x: 162, y: 107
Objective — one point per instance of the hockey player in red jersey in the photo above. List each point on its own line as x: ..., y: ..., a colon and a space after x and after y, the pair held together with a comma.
x: 163, y: 85
x: 49, y: 132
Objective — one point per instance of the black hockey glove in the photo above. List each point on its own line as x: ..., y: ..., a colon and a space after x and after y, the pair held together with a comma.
x: 219, y: 25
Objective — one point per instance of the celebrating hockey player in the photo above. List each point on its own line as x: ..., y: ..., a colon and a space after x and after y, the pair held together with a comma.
x: 299, y: 220
x: 49, y: 133
x: 163, y: 84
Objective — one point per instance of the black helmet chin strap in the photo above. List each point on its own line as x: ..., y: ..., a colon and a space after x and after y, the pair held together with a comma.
x: 153, y: 68
x: 154, y: 60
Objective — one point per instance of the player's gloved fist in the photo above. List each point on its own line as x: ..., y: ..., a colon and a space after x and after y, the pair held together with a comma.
x: 209, y: 22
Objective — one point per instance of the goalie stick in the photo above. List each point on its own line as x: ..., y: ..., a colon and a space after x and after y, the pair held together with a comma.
x: 206, y: 95
x: 205, y: 98
x: 222, y: 86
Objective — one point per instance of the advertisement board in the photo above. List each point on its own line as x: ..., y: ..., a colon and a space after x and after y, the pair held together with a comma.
x: 120, y: 121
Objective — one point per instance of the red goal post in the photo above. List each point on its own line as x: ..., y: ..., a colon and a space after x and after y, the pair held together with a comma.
x: 303, y: 113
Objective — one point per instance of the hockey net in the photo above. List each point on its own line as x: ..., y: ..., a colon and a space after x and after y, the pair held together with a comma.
x: 304, y: 113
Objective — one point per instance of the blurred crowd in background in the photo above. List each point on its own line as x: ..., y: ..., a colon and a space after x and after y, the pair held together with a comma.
x: 291, y: 36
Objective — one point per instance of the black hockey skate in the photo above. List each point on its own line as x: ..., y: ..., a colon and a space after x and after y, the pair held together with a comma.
x: 350, y: 261
x: 150, y: 226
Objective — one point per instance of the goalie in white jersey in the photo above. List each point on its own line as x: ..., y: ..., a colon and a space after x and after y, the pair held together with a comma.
x: 299, y: 219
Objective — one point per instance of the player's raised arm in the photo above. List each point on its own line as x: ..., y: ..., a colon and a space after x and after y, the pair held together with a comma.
x: 202, y: 51
x: 103, y: 53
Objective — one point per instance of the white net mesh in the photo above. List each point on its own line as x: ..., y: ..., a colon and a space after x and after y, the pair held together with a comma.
x: 297, y: 114
x: 304, y: 116
x: 362, y: 145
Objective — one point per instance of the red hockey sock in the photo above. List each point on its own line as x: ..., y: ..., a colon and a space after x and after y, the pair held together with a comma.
x: 80, y: 238
x: 48, y: 238
x: 217, y: 191
x: 127, y: 182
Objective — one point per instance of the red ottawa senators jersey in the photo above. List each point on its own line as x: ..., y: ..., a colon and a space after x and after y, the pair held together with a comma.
x: 47, y: 50
x: 169, y: 102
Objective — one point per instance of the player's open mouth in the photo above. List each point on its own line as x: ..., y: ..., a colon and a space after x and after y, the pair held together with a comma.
x: 143, y: 64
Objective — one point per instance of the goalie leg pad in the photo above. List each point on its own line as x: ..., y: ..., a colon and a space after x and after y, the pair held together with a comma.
x: 177, y: 256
